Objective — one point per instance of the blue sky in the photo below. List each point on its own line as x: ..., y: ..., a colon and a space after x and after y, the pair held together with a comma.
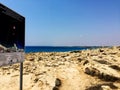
x: 69, y: 22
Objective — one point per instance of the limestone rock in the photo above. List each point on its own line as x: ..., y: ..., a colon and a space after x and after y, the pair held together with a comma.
x: 95, y: 69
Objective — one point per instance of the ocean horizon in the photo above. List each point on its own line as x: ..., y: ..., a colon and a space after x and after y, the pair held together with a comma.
x: 29, y: 49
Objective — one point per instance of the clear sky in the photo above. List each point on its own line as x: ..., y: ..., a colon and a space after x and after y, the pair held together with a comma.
x: 69, y: 22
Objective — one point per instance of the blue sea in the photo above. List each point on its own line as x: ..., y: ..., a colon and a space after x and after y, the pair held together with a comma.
x: 29, y: 49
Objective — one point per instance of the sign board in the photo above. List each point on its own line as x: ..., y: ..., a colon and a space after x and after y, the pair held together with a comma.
x: 12, y: 36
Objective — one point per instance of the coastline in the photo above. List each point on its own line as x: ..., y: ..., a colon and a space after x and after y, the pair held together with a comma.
x: 95, y: 69
x: 35, y: 49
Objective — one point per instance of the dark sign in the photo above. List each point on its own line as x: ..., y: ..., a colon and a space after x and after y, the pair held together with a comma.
x: 12, y: 36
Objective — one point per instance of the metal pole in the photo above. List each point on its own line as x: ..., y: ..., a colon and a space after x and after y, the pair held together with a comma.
x: 21, y: 75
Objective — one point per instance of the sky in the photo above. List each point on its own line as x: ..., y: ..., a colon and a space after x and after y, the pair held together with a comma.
x: 69, y: 22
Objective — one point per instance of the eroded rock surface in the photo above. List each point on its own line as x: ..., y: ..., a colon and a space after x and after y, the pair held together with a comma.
x: 96, y: 69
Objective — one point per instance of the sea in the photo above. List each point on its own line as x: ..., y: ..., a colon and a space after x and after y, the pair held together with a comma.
x: 29, y: 49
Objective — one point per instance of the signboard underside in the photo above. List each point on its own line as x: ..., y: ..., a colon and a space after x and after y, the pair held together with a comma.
x: 11, y: 58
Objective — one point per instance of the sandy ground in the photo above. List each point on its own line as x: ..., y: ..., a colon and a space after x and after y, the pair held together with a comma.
x: 97, y: 69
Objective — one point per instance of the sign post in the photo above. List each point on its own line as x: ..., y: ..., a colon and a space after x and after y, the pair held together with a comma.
x: 12, y: 39
x: 21, y: 75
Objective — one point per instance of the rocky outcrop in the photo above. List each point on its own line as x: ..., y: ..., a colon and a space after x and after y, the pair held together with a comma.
x: 95, y: 69
x: 2, y: 48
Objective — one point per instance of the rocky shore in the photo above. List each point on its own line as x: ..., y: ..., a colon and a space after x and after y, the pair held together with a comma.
x: 95, y: 69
